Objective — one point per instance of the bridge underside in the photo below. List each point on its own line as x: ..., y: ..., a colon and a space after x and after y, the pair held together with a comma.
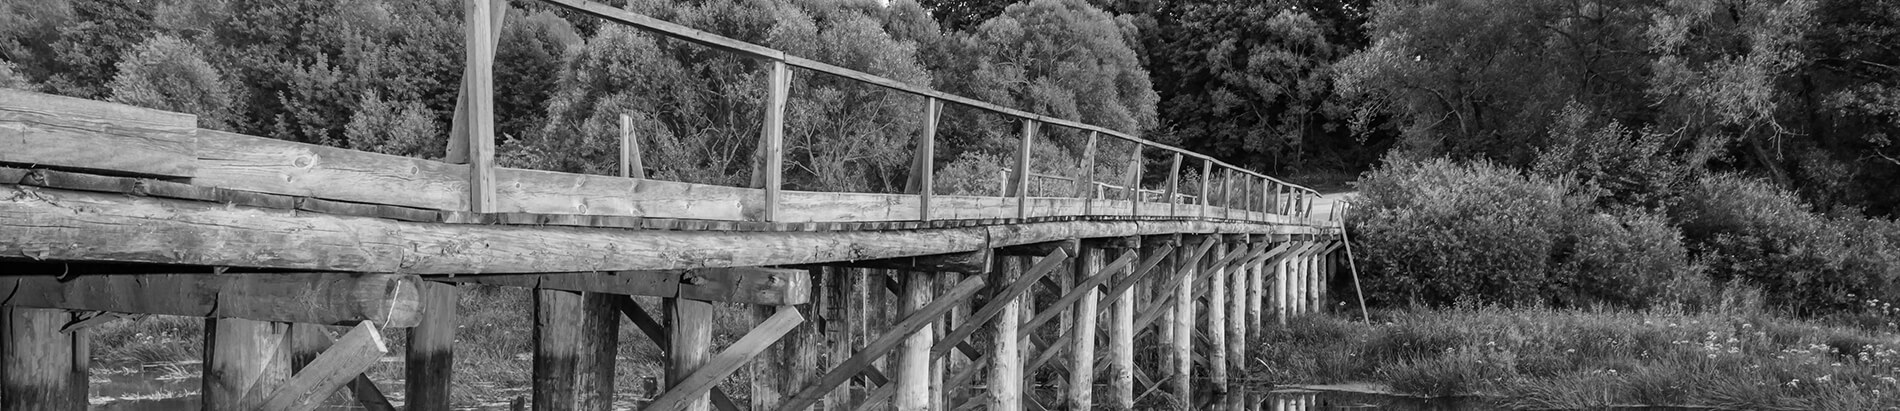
x: 108, y: 210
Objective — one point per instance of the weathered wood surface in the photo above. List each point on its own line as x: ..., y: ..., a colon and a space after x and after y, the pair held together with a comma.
x: 313, y: 298
x: 912, y: 381
x: 243, y: 357
x: 41, y: 368
x: 883, y: 344
x: 50, y: 224
x: 429, y: 362
x: 715, y: 369
x: 75, y: 133
x: 308, y: 341
x: 341, y: 364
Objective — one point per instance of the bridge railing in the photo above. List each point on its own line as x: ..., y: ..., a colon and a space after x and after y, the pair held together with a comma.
x: 1239, y: 188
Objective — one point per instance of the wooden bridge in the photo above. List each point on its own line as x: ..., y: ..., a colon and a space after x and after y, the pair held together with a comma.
x: 997, y: 302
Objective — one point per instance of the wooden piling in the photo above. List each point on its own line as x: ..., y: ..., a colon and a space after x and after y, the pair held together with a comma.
x: 429, y: 361
x: 243, y: 356
x: 1237, y: 287
x: 1005, y: 362
x: 1183, y: 330
x: 40, y: 367
x: 1257, y: 274
x: 1217, y: 315
x: 576, y: 336
x: 1080, y: 389
x: 912, y: 366
x: 1282, y: 279
x: 690, y: 323
x: 1121, y: 337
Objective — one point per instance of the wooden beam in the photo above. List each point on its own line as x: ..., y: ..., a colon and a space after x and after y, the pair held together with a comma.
x: 40, y: 367
x: 353, y: 354
x: 912, y: 365
x: 308, y: 341
x: 966, y: 262
x: 752, y: 285
x: 771, y: 159
x: 883, y: 344
x: 429, y: 363
x: 1080, y: 387
x: 243, y: 357
x: 480, y: 78
x: 65, y: 132
x: 1000, y: 302
x: 315, y: 298
x: 1068, y: 246
x: 700, y: 383
x: 1006, y: 374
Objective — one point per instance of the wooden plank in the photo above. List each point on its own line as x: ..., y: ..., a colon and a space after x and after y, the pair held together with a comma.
x: 65, y: 132
x: 429, y: 361
x: 715, y: 369
x: 40, y: 367
x: 1068, y: 246
x: 660, y: 283
x: 883, y: 344
x: 243, y: 356
x: 38, y: 223
x: 755, y: 285
x: 315, y: 298
x: 480, y: 78
x: 353, y: 354
x: 1000, y: 302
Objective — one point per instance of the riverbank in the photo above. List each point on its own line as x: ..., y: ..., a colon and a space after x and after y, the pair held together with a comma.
x: 1575, y: 359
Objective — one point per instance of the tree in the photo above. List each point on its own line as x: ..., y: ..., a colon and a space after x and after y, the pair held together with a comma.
x: 167, y: 73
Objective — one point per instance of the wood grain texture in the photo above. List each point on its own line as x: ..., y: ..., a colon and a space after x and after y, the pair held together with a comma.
x: 242, y: 357
x: 912, y: 380
x: 41, y: 368
x: 718, y: 367
x: 689, y: 346
x: 66, y: 132
x: 883, y: 344
x: 315, y: 298
x: 352, y: 354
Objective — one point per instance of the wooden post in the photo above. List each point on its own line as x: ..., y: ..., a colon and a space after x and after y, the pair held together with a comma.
x: 1019, y: 178
x: 1121, y: 337
x: 1217, y: 314
x: 1134, y: 180
x: 1174, y: 186
x: 1088, y: 169
x: 923, y: 171
x: 242, y: 356
x: 1237, y: 315
x: 40, y: 367
x: 480, y: 70
x: 914, y: 389
x: 690, y: 322
x: 431, y: 353
x: 631, y: 164
x: 1183, y: 330
x: 1257, y: 290
x: 1006, y: 367
x: 1207, y: 195
x: 1227, y: 193
x: 839, y: 330
x: 1282, y: 278
x: 1081, y: 384
x: 772, y: 139
x: 575, y: 339
x: 941, y: 367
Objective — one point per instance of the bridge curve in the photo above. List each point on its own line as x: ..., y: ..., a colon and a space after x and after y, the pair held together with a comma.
x: 112, y: 208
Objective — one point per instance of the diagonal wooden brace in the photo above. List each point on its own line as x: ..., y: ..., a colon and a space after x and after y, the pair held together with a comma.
x: 656, y: 333
x: 358, y: 350
x: 728, y: 361
x: 983, y: 315
x: 1074, y: 294
x: 1166, y: 292
x: 882, y: 345
x: 1147, y: 268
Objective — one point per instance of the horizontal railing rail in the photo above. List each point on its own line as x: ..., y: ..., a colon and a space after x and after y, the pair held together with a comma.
x: 1239, y: 188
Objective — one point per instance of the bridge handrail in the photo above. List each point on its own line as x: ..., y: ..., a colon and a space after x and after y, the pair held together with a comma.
x: 1300, y: 201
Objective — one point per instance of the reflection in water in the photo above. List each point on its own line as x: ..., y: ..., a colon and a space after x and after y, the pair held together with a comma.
x: 1293, y: 399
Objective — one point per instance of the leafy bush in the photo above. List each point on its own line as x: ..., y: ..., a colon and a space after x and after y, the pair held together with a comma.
x: 1437, y: 232
x: 167, y: 73
x: 1747, y: 230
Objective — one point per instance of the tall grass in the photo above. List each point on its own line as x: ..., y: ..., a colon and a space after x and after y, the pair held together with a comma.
x: 1571, y: 359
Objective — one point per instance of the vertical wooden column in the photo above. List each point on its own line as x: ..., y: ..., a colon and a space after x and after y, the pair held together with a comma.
x: 1183, y: 328
x: 40, y: 367
x: 428, y: 364
x: 1237, y: 287
x: 1086, y: 190
x: 1019, y: 178
x: 575, y: 338
x: 913, y: 379
x: 1121, y: 351
x: 1080, y: 390
x: 839, y: 330
x: 1134, y: 180
x: 690, y: 322
x: 923, y: 171
x: 788, y: 365
x: 1006, y: 366
x: 242, y: 356
x: 1174, y: 186
x: 479, y: 31
x: 1257, y: 289
x: 631, y: 165
x: 1217, y: 314
x: 941, y: 369
x: 1315, y: 279
x: 770, y: 164
x: 1207, y: 194
x: 1282, y: 284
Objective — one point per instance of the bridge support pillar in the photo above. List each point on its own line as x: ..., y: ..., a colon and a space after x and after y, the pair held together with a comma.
x: 1081, y: 380
x: 1182, y: 332
x: 690, y: 344
x: 1006, y: 362
x: 431, y: 353
x: 243, y: 356
x: 40, y: 367
x: 576, y: 335
x: 1217, y: 314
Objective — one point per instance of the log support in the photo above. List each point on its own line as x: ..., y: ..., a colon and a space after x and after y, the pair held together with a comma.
x: 41, y: 368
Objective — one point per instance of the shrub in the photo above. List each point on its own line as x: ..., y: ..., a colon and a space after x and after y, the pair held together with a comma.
x: 1747, y: 230
x: 167, y: 73
x: 1437, y: 232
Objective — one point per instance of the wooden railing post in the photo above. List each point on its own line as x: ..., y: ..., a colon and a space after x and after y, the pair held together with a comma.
x: 1134, y: 181
x: 1088, y: 169
x: 923, y: 173
x: 1207, y: 195
x: 631, y: 165
x: 1019, y: 178
x: 1174, y: 186
x: 478, y: 38
x: 1227, y: 193
x: 771, y: 158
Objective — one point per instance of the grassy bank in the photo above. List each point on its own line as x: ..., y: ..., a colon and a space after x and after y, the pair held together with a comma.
x: 1571, y: 359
